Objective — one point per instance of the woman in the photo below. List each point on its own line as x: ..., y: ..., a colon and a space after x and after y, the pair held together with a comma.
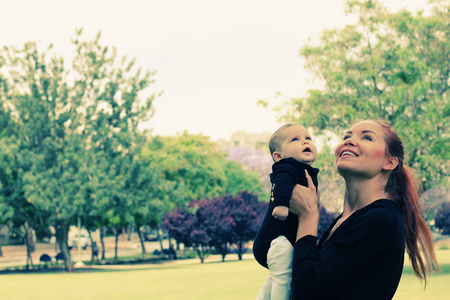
x: 361, y: 255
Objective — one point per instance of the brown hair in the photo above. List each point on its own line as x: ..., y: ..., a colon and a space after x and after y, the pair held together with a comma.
x: 277, y: 138
x: 404, y: 188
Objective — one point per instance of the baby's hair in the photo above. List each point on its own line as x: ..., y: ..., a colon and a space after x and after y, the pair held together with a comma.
x: 278, y: 137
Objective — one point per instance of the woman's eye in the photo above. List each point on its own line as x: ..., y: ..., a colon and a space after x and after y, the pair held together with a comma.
x: 367, y: 137
x: 346, y: 137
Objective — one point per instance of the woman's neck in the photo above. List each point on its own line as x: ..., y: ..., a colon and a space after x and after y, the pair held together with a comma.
x: 360, y: 192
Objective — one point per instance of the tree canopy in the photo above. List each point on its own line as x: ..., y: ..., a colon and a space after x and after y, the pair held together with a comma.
x: 390, y: 66
x: 71, y: 133
x: 219, y: 223
x: 198, y: 167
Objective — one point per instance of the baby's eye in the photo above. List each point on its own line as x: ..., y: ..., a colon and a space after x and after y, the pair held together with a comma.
x: 308, y: 138
x: 294, y: 139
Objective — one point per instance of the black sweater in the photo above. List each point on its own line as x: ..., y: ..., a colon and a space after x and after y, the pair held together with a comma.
x: 286, y: 173
x: 363, y: 258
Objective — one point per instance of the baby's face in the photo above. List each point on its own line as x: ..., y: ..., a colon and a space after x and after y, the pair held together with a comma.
x: 298, y: 145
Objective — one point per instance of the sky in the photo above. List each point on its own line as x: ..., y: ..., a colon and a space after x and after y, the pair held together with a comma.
x: 213, y: 59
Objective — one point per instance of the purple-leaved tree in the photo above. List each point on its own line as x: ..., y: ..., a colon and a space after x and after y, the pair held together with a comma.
x: 221, y: 223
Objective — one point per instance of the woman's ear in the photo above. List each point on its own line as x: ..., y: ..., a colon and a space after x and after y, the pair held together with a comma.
x: 276, y: 156
x: 391, y: 163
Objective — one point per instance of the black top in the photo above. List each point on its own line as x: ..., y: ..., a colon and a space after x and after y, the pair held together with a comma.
x: 286, y: 173
x: 363, y: 258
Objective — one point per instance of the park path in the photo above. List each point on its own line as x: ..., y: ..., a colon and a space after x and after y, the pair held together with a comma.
x: 17, y: 255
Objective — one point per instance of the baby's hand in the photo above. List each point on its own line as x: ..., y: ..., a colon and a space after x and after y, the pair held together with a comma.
x: 280, y: 212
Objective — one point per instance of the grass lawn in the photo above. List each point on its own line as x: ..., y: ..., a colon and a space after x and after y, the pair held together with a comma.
x: 184, y: 280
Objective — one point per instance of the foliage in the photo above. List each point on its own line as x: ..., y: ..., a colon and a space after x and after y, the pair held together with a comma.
x: 74, y: 131
x: 198, y: 167
x: 153, y: 196
x: 391, y: 66
x: 219, y: 222
x: 189, y: 160
x: 325, y: 220
x: 331, y: 184
x: 442, y: 218
x: 238, y: 179
x: 432, y: 199
x: 256, y: 161
x: 246, y: 212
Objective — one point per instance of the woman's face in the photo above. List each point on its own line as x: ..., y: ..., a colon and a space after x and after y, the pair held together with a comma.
x: 362, y: 151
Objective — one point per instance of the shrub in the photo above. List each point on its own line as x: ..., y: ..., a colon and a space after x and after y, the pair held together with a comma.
x: 442, y: 218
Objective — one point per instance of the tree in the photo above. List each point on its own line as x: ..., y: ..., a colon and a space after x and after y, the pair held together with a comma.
x: 71, y: 126
x: 219, y: 222
x: 442, y: 218
x: 325, y: 220
x: 331, y: 184
x: 153, y: 196
x: 15, y: 211
x: 179, y: 224
x: 199, y: 167
x: 187, y: 226
x: 192, y: 161
x: 393, y: 66
x: 238, y: 179
x: 432, y: 199
x: 248, y: 213
x: 256, y: 161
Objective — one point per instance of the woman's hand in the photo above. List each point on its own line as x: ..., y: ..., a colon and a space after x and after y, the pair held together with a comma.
x: 304, y: 204
x: 304, y: 199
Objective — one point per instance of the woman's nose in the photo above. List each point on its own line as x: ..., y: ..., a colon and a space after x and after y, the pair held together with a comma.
x: 349, y: 141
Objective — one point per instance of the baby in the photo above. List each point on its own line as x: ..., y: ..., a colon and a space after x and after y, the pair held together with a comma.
x: 293, y: 151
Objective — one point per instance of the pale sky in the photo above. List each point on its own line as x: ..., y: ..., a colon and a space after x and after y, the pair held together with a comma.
x: 213, y: 59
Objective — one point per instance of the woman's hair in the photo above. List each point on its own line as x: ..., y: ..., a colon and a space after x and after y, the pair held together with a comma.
x: 404, y: 188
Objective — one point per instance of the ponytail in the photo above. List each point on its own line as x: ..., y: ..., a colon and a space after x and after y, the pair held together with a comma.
x: 404, y: 188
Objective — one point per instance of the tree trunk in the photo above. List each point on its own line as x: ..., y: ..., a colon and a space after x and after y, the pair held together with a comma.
x: 240, y: 250
x: 62, y: 234
x: 29, y: 258
x: 1, y: 242
x: 129, y: 231
x: 102, y: 235
x: 116, y: 234
x: 94, y: 248
x: 138, y: 230
x: 29, y: 244
x: 200, y: 255
x: 159, y: 239
x: 202, y: 252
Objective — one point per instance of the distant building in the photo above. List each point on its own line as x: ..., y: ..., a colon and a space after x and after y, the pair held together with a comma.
x: 242, y: 139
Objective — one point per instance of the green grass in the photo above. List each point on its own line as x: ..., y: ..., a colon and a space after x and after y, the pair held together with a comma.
x: 188, y: 280
x: 437, y: 288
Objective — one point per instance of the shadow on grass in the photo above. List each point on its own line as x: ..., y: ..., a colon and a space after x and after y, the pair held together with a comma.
x: 107, y: 266
x: 111, y: 266
x: 445, y: 269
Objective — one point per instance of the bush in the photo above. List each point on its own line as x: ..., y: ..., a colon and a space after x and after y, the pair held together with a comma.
x: 442, y: 218
x: 325, y: 220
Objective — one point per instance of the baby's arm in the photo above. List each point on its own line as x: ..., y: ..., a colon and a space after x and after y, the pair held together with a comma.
x: 286, y: 175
